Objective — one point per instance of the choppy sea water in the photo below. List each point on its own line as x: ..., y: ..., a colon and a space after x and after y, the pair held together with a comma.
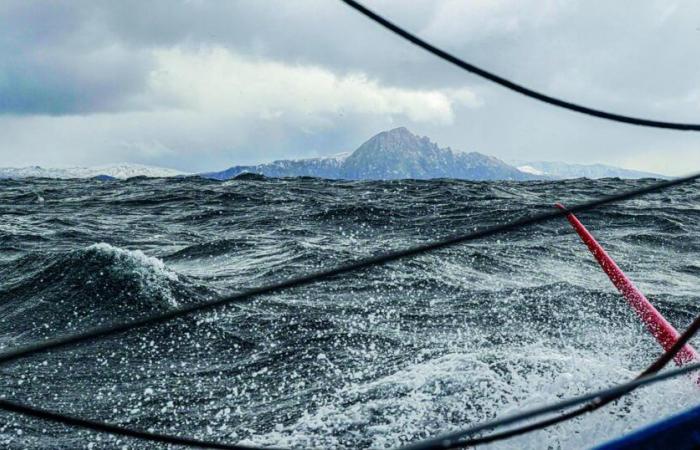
x: 376, y: 359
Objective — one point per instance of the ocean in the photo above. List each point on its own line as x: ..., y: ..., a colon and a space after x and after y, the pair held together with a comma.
x: 371, y: 360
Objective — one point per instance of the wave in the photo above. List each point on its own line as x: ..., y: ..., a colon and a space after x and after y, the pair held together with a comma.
x: 364, y: 360
x: 99, y: 283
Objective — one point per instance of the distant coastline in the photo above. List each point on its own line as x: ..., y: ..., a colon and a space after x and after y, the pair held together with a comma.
x: 392, y: 154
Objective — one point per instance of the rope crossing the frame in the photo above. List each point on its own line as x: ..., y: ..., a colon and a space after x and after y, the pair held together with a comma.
x: 452, y: 440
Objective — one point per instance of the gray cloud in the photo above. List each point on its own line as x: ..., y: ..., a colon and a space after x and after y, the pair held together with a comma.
x: 56, y: 61
x: 95, y: 63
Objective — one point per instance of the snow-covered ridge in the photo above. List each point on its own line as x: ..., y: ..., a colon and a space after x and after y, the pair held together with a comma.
x: 562, y: 170
x: 530, y: 169
x: 120, y: 171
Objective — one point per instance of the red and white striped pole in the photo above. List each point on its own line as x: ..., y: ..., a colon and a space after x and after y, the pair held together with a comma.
x: 657, y: 325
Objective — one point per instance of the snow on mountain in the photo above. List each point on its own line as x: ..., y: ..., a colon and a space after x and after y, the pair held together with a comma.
x: 561, y: 170
x: 392, y: 154
x: 120, y: 171
x: 124, y: 170
x: 530, y: 170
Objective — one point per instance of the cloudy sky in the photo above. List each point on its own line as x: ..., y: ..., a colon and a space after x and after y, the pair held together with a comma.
x: 198, y: 85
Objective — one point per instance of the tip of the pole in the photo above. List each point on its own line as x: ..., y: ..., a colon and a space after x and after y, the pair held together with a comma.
x: 560, y: 206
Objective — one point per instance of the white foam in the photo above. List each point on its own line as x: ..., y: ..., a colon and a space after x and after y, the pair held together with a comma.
x: 453, y: 391
x: 152, y: 274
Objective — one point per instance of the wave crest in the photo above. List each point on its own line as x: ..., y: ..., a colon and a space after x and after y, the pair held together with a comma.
x: 97, y: 284
x: 151, y: 275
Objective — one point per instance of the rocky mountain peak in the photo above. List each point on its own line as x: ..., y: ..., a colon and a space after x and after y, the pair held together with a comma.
x: 392, y: 154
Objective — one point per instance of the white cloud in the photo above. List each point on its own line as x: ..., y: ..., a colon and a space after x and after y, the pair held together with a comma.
x: 217, y: 81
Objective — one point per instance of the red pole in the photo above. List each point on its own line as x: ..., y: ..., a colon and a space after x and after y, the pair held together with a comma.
x: 657, y: 325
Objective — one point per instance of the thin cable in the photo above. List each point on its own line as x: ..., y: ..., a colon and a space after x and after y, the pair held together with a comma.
x: 657, y: 365
x: 514, y: 86
x: 109, y: 330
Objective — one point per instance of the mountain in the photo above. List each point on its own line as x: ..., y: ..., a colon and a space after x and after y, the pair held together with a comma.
x: 392, y: 154
x: 120, y: 171
x: 400, y: 154
x: 565, y: 170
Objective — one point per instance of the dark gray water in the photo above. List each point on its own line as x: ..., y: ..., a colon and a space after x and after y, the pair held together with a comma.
x: 375, y: 359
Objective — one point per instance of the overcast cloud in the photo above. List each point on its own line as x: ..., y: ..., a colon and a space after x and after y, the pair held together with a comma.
x: 202, y: 85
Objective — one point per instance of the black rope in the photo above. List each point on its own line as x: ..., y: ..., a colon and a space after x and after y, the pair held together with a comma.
x: 514, y: 86
x: 657, y: 365
x: 103, y: 427
x: 109, y: 330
